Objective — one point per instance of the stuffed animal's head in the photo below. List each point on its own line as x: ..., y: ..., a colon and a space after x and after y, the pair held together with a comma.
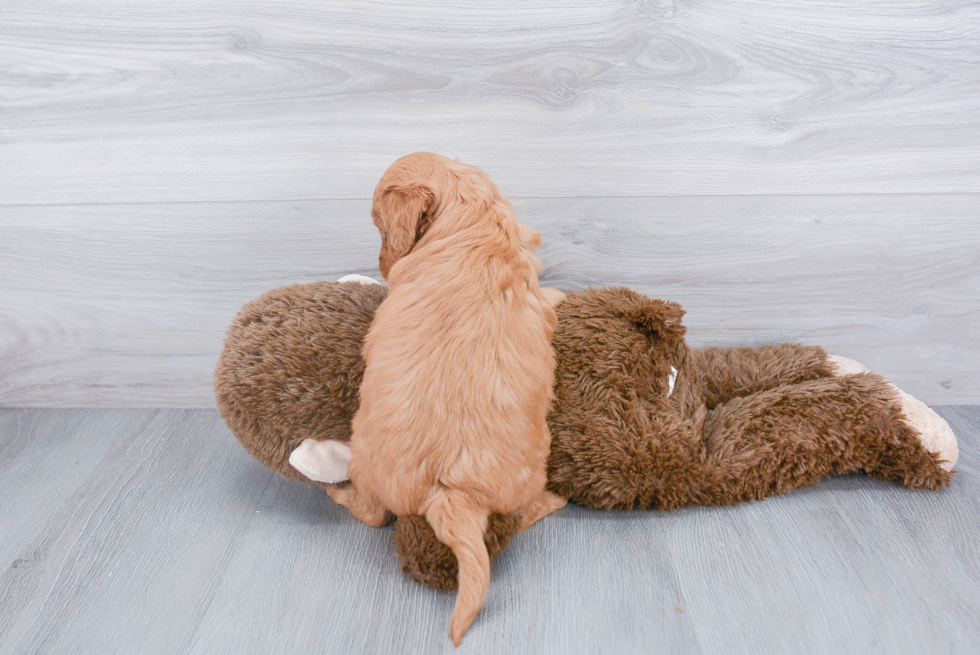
x: 618, y: 339
x: 291, y: 367
x: 614, y: 410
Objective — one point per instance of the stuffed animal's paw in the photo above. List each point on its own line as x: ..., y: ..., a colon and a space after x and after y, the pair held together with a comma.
x: 846, y: 366
x: 323, y: 461
x: 354, y: 277
x: 937, y: 436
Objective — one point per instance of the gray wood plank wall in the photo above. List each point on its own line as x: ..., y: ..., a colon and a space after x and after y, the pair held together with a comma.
x: 788, y: 171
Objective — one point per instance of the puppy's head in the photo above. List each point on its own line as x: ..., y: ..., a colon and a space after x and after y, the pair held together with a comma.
x: 412, y: 195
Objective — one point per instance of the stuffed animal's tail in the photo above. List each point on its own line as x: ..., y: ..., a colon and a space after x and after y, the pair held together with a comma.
x: 460, y: 524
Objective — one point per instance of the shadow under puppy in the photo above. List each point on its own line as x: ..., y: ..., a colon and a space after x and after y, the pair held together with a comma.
x: 459, y: 369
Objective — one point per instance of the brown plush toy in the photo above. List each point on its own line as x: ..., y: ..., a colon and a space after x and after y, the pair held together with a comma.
x: 639, y: 420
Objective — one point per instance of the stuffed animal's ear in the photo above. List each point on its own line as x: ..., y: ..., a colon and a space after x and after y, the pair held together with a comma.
x: 403, y: 214
x: 659, y: 319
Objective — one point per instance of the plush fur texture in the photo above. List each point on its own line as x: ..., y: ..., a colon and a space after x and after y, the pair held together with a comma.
x: 291, y: 368
x: 741, y: 423
x: 438, y: 566
x: 452, y: 423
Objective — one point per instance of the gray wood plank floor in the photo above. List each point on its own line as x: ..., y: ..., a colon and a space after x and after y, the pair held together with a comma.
x: 152, y: 531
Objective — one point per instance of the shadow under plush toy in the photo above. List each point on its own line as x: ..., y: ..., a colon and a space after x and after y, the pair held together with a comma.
x: 639, y: 421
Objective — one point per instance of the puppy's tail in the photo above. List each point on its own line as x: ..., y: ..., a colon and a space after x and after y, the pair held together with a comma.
x: 460, y: 524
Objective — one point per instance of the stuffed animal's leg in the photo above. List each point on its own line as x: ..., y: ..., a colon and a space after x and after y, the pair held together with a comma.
x: 937, y: 436
x: 365, y: 508
x: 791, y: 436
x: 543, y: 504
x: 713, y: 376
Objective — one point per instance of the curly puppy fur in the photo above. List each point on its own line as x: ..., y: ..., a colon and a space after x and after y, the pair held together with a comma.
x: 741, y: 424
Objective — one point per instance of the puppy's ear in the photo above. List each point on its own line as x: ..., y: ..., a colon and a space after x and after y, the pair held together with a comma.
x: 406, y: 212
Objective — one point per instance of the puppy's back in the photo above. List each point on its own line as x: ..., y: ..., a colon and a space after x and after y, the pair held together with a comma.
x: 462, y: 385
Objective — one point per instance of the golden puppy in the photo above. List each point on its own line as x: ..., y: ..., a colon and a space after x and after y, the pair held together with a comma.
x: 460, y: 368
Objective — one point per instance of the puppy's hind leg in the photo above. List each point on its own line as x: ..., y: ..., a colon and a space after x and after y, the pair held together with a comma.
x: 365, y: 508
x: 542, y: 505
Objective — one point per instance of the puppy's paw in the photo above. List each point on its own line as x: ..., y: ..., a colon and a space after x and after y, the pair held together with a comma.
x: 553, y: 296
x: 845, y: 366
x: 354, y: 277
x: 937, y: 436
x: 545, y: 503
x: 323, y: 461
